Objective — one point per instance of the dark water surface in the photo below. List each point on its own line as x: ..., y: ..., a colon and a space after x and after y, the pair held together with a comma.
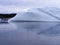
x: 30, y: 33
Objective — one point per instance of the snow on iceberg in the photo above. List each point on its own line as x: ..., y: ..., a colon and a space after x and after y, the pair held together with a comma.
x: 38, y: 14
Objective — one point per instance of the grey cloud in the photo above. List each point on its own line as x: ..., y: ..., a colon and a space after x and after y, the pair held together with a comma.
x: 30, y: 3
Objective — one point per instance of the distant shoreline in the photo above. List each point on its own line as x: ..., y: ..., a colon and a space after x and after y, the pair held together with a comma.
x: 32, y: 21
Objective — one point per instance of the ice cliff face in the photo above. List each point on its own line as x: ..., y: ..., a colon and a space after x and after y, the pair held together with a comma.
x: 39, y: 14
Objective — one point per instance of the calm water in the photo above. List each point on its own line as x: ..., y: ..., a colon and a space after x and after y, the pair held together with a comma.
x: 30, y: 33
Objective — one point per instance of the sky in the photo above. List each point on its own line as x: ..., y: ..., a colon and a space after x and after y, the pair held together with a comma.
x: 17, y: 5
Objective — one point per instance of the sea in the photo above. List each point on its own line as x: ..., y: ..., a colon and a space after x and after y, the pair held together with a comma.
x: 30, y: 33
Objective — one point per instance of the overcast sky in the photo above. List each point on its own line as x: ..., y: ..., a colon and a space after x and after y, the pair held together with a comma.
x: 16, y: 5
